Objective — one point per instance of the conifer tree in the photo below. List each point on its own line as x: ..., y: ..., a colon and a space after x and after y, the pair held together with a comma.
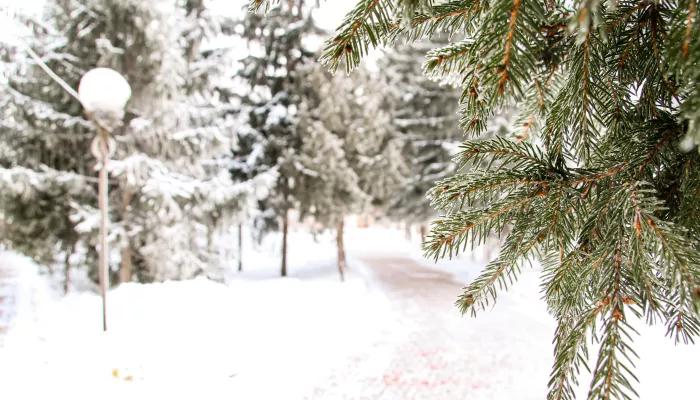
x: 425, y: 111
x: 601, y: 188
x: 45, y: 155
x: 162, y: 196
x: 345, y: 135
x: 269, y: 136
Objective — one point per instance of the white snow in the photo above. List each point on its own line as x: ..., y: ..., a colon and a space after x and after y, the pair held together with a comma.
x: 10, y: 26
x: 104, y: 89
x: 277, y: 114
x: 260, y: 336
x: 186, y: 339
x: 660, y: 360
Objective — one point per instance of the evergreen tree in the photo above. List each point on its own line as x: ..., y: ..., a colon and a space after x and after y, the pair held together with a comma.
x: 425, y: 111
x: 601, y: 190
x: 269, y: 136
x: 161, y: 197
x: 45, y: 155
x: 345, y: 134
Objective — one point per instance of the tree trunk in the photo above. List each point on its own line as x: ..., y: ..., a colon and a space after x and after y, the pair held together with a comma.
x: 210, y: 238
x: 408, y: 231
x: 285, y: 229
x: 66, y: 278
x: 127, y: 267
x: 423, y: 233
x: 341, y: 250
x: 240, y: 247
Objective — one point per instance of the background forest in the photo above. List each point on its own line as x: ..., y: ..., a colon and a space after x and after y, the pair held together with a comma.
x: 233, y: 124
x: 302, y: 191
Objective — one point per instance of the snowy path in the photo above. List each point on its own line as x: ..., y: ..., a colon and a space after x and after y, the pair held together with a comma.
x: 390, y: 332
x: 431, y: 352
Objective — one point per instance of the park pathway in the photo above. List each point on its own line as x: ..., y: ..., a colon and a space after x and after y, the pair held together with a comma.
x: 431, y: 352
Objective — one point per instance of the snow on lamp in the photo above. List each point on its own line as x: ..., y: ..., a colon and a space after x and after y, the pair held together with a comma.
x: 104, y: 93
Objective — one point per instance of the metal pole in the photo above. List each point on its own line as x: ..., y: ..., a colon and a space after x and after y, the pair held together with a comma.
x: 103, y: 143
x: 103, y: 148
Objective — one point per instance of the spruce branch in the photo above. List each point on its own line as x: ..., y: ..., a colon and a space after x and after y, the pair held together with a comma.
x: 570, y: 352
x: 257, y: 5
x: 447, y: 18
x: 368, y: 24
x: 453, y: 231
x: 594, y: 182
x: 610, y: 377
x: 688, y: 29
x: 537, y: 99
x: 509, y: 42
x: 500, y: 273
x: 476, y: 188
x: 506, y: 152
x: 448, y: 60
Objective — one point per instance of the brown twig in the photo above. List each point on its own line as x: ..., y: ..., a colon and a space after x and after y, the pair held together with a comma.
x: 470, y: 225
x: 688, y: 29
x: 509, y: 41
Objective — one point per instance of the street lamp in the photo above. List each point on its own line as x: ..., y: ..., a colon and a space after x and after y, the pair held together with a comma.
x: 104, y: 94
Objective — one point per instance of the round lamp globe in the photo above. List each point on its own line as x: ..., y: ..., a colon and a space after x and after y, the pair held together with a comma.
x: 104, y: 90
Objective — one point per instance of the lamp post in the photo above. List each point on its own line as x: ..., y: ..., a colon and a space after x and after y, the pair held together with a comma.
x: 104, y: 94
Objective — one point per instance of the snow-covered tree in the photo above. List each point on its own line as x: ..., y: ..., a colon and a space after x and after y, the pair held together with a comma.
x: 301, y: 120
x: 426, y: 112
x: 168, y: 188
x: 344, y: 157
x: 280, y: 44
x: 425, y: 109
x: 45, y: 160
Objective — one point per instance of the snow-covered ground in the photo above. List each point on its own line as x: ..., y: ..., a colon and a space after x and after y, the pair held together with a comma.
x: 262, y: 337
x: 258, y: 337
